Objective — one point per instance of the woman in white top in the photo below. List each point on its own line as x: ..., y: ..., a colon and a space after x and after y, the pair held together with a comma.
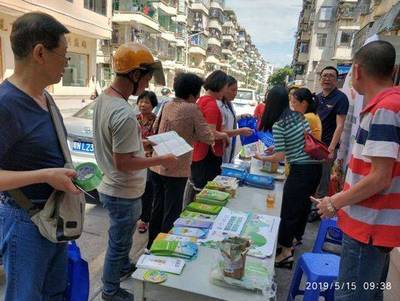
x: 229, y: 122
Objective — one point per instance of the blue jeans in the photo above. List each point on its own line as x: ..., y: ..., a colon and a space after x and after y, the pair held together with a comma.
x: 363, y: 271
x: 36, y: 269
x: 123, y: 213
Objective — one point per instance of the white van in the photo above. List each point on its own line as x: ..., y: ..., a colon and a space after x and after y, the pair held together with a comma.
x: 245, y: 101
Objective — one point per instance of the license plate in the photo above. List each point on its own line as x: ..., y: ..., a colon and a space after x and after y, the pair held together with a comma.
x: 85, y: 147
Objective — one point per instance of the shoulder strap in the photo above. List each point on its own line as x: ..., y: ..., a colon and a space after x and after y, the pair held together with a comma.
x: 58, y: 125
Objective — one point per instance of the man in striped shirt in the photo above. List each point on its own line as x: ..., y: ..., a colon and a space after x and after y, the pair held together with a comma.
x: 369, y: 207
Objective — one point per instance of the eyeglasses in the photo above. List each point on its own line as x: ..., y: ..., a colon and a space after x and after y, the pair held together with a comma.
x: 67, y: 58
x: 328, y: 75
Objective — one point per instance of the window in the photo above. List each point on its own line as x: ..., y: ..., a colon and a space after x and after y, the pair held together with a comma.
x: 106, y: 76
x: 304, y: 47
x: 300, y: 69
x: 248, y: 95
x: 98, y: 6
x: 345, y: 38
x: 76, y: 73
x: 326, y: 13
x: 86, y: 112
x: 321, y: 39
x: 115, y: 36
x: 182, y: 7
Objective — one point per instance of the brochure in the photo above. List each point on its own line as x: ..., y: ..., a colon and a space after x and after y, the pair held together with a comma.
x: 191, y: 232
x: 228, y: 223
x: 198, y: 216
x: 165, y: 264
x: 183, y: 249
x: 212, y: 197
x: 253, y: 148
x: 193, y: 223
x: 204, y: 208
x: 167, y: 236
x: 262, y: 230
x: 169, y: 143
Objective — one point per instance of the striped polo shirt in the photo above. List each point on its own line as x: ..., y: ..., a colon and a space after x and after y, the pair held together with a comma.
x: 376, y: 219
x: 288, y: 134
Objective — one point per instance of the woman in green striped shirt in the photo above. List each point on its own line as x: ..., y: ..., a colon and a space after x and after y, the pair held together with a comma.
x: 288, y: 130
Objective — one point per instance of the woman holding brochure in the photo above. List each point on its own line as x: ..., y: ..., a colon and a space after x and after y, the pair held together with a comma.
x: 182, y: 116
x: 288, y: 129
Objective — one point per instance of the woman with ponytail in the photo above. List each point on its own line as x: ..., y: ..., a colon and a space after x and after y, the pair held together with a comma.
x: 304, y: 102
x: 288, y: 129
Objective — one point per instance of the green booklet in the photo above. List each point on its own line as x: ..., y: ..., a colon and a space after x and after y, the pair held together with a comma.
x: 197, y: 216
x: 204, y: 208
x: 203, y: 200
x: 183, y: 249
x: 216, y: 195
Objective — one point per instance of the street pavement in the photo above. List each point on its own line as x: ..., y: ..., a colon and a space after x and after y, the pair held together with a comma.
x: 93, y: 244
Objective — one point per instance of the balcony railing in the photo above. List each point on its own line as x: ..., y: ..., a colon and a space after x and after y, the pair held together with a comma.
x: 172, y: 3
x: 206, y: 3
x: 135, y: 6
x: 166, y: 22
x: 200, y: 41
x: 346, y: 11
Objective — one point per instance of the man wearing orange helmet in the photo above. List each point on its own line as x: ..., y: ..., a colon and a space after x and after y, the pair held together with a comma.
x: 120, y: 155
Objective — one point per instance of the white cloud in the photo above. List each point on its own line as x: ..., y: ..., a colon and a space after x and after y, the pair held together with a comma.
x: 271, y: 24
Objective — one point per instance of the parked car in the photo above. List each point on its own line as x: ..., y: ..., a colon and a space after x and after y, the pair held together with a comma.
x: 80, y: 135
x: 245, y: 101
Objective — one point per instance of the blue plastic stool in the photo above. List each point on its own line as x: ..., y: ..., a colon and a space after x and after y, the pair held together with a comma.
x: 321, y: 271
x: 327, y: 232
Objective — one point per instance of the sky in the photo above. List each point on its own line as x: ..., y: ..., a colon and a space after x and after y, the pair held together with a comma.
x: 272, y: 25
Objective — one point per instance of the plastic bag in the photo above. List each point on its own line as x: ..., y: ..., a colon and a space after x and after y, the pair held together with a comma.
x: 256, y: 278
x: 249, y: 122
x: 78, y: 275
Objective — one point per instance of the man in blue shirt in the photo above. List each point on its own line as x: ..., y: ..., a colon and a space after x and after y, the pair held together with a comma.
x: 31, y: 159
x: 333, y: 106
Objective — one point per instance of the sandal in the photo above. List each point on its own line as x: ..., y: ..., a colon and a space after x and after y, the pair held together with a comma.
x: 143, y: 227
x: 286, y: 262
x: 297, y: 242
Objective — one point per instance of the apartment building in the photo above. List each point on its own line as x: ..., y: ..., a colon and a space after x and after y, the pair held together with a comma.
x: 88, y: 21
x: 380, y: 18
x: 197, y: 36
x: 324, y: 37
x: 214, y: 28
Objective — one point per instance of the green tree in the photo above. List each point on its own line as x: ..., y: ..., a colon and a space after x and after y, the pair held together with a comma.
x: 279, y: 77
